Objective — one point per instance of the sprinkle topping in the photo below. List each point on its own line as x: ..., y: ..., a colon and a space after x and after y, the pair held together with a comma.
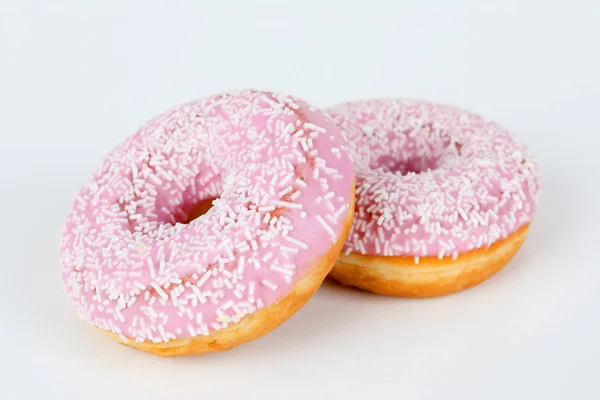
x: 433, y: 180
x: 136, y: 262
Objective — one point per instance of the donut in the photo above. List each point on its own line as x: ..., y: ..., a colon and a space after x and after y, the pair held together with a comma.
x: 444, y: 197
x: 211, y: 225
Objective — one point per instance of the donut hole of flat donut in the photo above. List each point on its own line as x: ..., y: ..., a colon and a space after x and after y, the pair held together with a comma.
x: 415, y: 161
x: 410, y: 148
x: 414, y: 165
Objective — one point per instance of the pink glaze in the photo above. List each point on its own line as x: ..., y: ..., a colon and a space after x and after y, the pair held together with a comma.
x: 283, y: 178
x: 433, y: 180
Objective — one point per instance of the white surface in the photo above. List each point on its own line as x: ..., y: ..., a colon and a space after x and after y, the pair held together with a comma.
x: 77, y: 77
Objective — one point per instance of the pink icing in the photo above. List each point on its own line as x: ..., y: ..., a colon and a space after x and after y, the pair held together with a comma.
x: 433, y: 180
x: 283, y: 178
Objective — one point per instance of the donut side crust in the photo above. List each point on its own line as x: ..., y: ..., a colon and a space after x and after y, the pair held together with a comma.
x: 431, y: 277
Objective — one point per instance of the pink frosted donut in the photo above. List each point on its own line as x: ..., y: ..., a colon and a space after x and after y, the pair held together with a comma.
x: 283, y: 183
x: 443, y: 200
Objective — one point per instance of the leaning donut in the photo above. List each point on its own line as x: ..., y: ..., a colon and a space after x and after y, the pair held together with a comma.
x: 444, y: 197
x: 140, y: 266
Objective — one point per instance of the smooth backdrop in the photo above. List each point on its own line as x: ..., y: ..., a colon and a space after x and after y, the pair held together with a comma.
x: 77, y: 77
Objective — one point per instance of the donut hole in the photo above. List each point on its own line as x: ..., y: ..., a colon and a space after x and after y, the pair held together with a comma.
x: 194, y: 211
x: 419, y: 156
x: 415, y: 165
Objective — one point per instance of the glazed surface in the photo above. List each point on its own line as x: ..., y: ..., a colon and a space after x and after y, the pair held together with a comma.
x: 134, y: 264
x: 432, y: 179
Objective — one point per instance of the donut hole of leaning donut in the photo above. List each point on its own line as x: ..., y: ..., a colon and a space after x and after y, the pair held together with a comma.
x: 197, y: 210
x: 191, y: 211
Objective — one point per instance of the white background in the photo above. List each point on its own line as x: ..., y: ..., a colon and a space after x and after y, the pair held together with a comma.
x: 77, y: 77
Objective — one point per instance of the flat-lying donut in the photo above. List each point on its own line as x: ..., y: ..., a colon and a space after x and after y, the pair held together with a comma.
x: 444, y: 197
x: 138, y: 266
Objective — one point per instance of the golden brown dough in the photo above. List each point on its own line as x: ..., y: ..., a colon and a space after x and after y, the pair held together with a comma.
x: 400, y: 276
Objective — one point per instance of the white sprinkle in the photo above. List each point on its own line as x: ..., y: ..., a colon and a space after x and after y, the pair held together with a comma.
x: 301, y: 183
x: 151, y: 267
x: 204, y: 278
x: 285, y: 191
x: 269, y: 284
x: 286, y: 249
x: 241, y: 265
x: 282, y: 270
x: 227, y: 305
x: 327, y: 228
x: 286, y: 204
x: 191, y: 330
x: 160, y: 291
x: 296, y: 242
x: 161, y: 268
